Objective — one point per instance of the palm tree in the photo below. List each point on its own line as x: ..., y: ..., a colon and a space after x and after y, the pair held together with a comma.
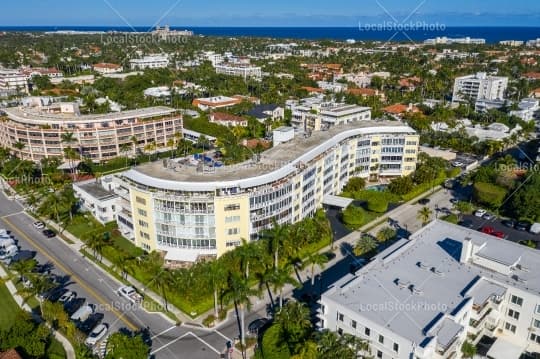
x: 124, y: 149
x: 96, y: 241
x: 69, y: 153
x: 163, y: 280
x: 277, y: 235
x: 19, y: 146
x: 184, y: 146
x: 294, y: 321
x: 424, y: 215
x: 150, y: 148
x: 217, y: 276
x: 122, y: 264
x: 247, y: 252
x: 134, y: 143
x: 24, y: 268
x: 364, y: 245
x: 240, y: 292
x: 52, y: 206
x: 316, y: 260
x: 280, y: 279
x: 386, y: 234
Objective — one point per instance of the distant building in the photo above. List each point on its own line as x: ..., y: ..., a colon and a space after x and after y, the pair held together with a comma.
x: 447, y: 40
x: 13, y: 81
x: 226, y: 119
x: 514, y: 43
x: 158, y: 92
x: 479, y: 87
x: 149, y: 62
x: 105, y: 68
x: 212, y: 103
x: 528, y: 109
x: 423, y: 297
x: 282, y: 134
x: 50, y: 72
x: 242, y: 70
x: 97, y: 197
x: 535, y: 93
x: 267, y: 112
x: 534, y: 43
x: 165, y: 33
x: 401, y: 109
x: 531, y: 76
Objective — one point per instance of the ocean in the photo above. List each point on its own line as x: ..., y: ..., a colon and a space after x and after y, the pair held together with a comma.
x: 490, y: 34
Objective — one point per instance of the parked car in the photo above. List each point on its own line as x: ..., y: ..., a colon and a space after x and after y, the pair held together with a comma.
x: 93, y: 321
x: 54, y: 295
x: 480, y: 213
x: 458, y: 164
x: 522, y: 226
x: 499, y: 234
x: 255, y: 326
x: 488, y: 216
x: 67, y: 297
x: 9, y: 252
x: 535, y: 228
x: 508, y: 223
x: 487, y: 230
x: 424, y: 201
x: 82, y: 313
x: 49, y: 233
x: 39, y: 225
x: 96, y: 335
x: 74, y: 305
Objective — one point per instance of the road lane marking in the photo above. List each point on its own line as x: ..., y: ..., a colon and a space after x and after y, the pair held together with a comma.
x: 12, y: 214
x: 205, y: 343
x: 76, y: 278
x: 170, y: 343
x: 163, y: 332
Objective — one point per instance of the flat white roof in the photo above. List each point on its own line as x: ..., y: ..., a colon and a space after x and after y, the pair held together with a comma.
x: 503, y: 349
x: 416, y: 284
x: 336, y: 201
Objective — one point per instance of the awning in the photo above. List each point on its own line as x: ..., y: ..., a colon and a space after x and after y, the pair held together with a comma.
x: 69, y: 165
x: 336, y: 201
x: 503, y: 349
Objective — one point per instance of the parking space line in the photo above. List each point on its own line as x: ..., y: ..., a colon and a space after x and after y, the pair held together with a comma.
x: 12, y: 214
x: 170, y: 343
x: 228, y: 339
x: 163, y: 332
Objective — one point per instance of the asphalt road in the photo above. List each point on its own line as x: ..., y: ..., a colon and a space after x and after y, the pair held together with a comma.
x: 98, y: 288
x: 512, y: 234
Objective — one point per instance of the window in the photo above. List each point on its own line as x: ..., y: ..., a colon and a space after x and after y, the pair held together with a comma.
x: 353, y: 324
x: 536, y: 323
x: 143, y: 224
x: 140, y: 200
x: 232, y: 231
x: 323, y: 309
x: 538, y: 309
x: 145, y: 235
x: 379, y: 354
x: 381, y: 339
x: 232, y: 219
x: 396, y: 347
x: 513, y: 314
x: 230, y: 244
x: 535, y: 338
x: 232, y: 207
x: 142, y: 212
x: 510, y: 327
x: 340, y: 317
x: 367, y: 332
x: 340, y: 331
x: 516, y: 300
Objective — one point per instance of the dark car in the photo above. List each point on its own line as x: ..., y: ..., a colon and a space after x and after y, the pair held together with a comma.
x: 329, y: 255
x: 48, y: 233
x: 466, y: 223
x: 508, y: 223
x: 73, y: 305
x: 522, y: 226
x: 90, y: 323
x: 55, y: 294
x: 255, y: 326
x: 424, y: 201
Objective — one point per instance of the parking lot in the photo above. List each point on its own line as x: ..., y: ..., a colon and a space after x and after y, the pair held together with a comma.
x: 511, y: 234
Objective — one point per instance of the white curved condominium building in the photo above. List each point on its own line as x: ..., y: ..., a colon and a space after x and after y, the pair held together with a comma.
x: 190, y: 211
x: 97, y: 137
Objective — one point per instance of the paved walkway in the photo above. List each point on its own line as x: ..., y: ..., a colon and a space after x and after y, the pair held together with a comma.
x: 70, y: 352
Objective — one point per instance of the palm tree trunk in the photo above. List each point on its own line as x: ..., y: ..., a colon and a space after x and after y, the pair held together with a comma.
x: 242, y: 326
x: 276, y: 260
x: 270, y: 294
x: 312, y: 275
x: 281, y: 298
x: 247, y: 270
x: 216, y: 310
x: 165, y: 298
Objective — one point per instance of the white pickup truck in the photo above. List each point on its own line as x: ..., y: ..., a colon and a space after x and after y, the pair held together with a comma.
x: 130, y: 294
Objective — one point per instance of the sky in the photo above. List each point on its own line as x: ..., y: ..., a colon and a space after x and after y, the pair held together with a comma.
x: 345, y: 13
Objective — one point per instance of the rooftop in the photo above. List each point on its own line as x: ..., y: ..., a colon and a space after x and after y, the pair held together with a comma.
x: 274, y: 164
x: 95, y: 190
x: 30, y: 114
x: 426, y: 274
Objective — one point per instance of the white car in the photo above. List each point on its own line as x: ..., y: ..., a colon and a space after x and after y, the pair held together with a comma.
x: 96, y: 335
x: 67, y: 297
x: 458, y: 164
x: 39, y: 225
x: 480, y: 212
x: 130, y: 294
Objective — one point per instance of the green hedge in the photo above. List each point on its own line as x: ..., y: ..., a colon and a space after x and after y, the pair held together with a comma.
x: 272, y: 346
x: 377, y: 205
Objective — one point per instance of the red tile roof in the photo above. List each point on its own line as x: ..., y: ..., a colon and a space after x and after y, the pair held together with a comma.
x: 410, y: 81
x: 104, y: 65
x: 222, y: 116
x: 10, y: 354
x: 532, y: 75
x: 399, y: 109
x: 313, y: 89
x: 363, y: 92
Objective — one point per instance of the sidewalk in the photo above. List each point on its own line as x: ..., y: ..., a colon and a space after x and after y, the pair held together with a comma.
x: 70, y: 352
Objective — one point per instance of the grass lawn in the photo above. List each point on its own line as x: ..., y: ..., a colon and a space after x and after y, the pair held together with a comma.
x: 9, y: 308
x: 55, y: 350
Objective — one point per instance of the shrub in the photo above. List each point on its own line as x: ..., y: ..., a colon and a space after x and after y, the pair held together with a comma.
x: 452, y: 218
x: 354, y: 216
x: 489, y: 195
x: 355, y: 184
x: 209, y: 321
x: 401, y: 185
x: 377, y: 206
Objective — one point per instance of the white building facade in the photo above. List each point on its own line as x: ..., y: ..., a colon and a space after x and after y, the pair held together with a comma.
x: 149, y: 62
x: 479, y: 87
x: 424, y: 297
